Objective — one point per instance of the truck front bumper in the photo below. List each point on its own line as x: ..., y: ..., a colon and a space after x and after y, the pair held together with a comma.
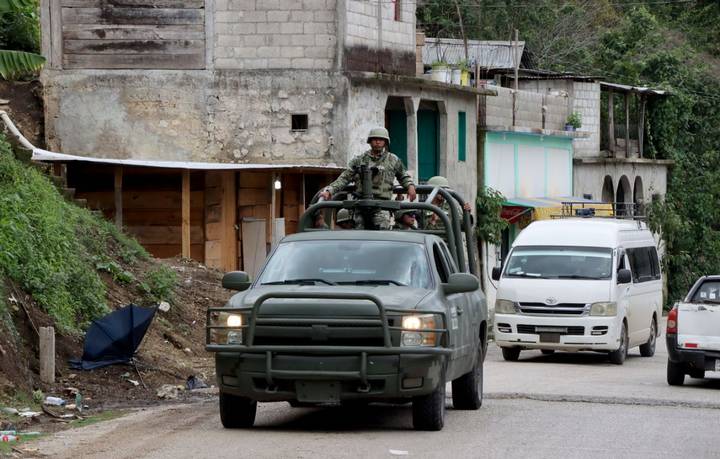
x: 329, y: 375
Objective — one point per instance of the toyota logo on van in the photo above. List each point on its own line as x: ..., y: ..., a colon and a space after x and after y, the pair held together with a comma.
x: 551, y: 301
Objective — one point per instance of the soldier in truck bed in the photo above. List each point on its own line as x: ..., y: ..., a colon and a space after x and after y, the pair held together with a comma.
x: 386, y: 168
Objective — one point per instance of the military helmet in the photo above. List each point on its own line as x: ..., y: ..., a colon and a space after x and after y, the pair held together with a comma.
x: 343, y: 215
x: 379, y: 133
x: 438, y: 180
x: 401, y: 212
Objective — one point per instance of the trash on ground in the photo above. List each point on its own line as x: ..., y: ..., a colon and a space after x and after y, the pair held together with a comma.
x: 114, y: 338
x: 8, y: 410
x: 72, y: 391
x: 29, y: 414
x: 8, y: 438
x: 54, y: 401
x: 125, y: 375
x: 193, y: 382
x: 164, y: 306
x: 133, y: 382
x: 169, y: 391
x: 70, y: 406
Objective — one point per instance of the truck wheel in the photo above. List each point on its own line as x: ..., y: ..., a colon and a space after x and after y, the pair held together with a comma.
x: 675, y: 373
x: 618, y: 356
x: 237, y: 412
x: 467, y: 390
x: 511, y: 354
x: 648, y: 349
x: 428, y: 411
x: 547, y: 351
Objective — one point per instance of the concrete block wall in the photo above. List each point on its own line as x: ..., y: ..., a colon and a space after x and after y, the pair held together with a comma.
x: 589, y: 178
x: 586, y: 101
x: 528, y: 106
x: 271, y: 34
x: 372, y: 24
x: 498, y: 109
x: 557, y: 110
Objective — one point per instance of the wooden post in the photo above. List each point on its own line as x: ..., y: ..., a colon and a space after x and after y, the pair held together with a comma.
x: 229, y: 219
x: 118, y: 197
x: 641, y: 126
x: 185, y: 230
x: 611, y: 124
x: 627, y: 124
x: 47, y: 355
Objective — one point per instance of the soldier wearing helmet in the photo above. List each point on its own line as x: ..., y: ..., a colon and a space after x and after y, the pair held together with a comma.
x: 405, y: 220
x: 344, y: 220
x: 386, y: 168
x: 433, y: 222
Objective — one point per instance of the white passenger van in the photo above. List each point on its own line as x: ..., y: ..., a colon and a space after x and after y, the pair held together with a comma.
x: 579, y: 284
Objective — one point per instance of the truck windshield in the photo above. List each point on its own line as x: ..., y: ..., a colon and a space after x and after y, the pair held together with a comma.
x: 558, y: 262
x: 709, y: 292
x: 348, y: 263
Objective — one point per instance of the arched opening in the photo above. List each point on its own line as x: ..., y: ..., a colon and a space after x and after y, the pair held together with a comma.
x: 608, y: 190
x: 638, y: 196
x: 623, y: 197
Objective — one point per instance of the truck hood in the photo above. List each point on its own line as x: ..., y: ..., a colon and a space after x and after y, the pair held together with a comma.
x: 391, y: 296
x: 526, y: 290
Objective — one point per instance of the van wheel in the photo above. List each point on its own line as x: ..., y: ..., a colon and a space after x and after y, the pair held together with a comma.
x: 428, y: 411
x: 618, y: 356
x: 675, y: 373
x: 467, y: 390
x: 511, y: 354
x: 547, y: 351
x: 237, y: 412
x: 648, y: 349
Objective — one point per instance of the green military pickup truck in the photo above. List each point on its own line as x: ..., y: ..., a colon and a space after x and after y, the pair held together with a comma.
x: 339, y: 317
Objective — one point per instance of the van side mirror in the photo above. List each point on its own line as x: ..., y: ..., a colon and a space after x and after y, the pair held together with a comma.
x: 461, y: 283
x: 496, y: 273
x: 624, y: 276
x: 236, y: 280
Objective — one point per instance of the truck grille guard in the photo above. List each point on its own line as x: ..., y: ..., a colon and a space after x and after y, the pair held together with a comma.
x: 362, y: 351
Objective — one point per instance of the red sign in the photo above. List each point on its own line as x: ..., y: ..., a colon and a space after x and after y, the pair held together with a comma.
x: 512, y: 213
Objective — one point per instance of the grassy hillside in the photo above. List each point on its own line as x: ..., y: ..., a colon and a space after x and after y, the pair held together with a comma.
x: 53, y: 249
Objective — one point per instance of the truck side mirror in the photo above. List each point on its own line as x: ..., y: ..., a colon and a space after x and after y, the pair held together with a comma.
x: 461, y: 283
x: 624, y: 276
x: 496, y: 273
x: 236, y: 280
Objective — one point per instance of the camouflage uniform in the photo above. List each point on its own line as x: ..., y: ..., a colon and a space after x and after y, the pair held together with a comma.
x: 399, y: 225
x: 388, y: 168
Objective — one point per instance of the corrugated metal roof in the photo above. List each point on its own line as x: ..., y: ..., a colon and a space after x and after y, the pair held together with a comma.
x: 628, y: 88
x: 44, y: 155
x: 489, y: 54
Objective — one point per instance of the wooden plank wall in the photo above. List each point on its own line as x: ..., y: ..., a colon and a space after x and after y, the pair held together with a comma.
x: 133, y: 34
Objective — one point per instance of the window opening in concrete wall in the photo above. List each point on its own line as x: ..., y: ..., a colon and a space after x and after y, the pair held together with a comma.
x: 397, y: 5
x: 462, y: 136
x: 638, y: 197
x: 624, y: 198
x: 299, y: 122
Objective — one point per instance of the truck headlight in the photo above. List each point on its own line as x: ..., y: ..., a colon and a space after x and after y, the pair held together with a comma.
x: 505, y: 307
x: 603, y: 308
x: 413, y: 335
x: 229, y: 328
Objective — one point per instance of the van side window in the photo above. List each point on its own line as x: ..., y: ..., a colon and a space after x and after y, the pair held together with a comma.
x: 655, y: 263
x: 440, y: 265
x: 642, y: 270
x: 621, y: 263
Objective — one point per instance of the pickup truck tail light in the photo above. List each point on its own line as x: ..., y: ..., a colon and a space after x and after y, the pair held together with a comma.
x: 672, y: 320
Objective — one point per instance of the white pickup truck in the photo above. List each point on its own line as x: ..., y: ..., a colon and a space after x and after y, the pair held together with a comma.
x: 693, y: 332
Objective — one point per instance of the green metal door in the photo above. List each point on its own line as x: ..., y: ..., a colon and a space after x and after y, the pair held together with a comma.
x: 397, y: 125
x: 428, y: 124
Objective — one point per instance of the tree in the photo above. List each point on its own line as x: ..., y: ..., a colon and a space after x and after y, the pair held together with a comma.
x: 19, y: 29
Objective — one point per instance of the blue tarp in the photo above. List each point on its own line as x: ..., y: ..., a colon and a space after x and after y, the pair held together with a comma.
x: 115, y: 337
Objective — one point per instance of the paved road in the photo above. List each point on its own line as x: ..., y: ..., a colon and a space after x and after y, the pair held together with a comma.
x: 564, y: 405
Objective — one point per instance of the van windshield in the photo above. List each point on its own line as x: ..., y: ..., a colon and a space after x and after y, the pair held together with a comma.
x: 558, y: 262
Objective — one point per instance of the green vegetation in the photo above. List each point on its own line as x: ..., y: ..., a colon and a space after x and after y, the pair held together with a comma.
x: 668, y: 45
x: 159, y: 284
x: 52, y: 249
x: 489, y: 225
x: 19, y: 38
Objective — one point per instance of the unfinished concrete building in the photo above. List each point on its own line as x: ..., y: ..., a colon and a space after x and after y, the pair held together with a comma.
x: 151, y: 94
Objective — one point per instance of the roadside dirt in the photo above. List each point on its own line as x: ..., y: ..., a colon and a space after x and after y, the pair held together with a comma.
x: 25, y: 108
x: 172, y: 350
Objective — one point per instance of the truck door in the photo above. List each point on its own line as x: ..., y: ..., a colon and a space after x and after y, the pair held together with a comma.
x: 458, y: 312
